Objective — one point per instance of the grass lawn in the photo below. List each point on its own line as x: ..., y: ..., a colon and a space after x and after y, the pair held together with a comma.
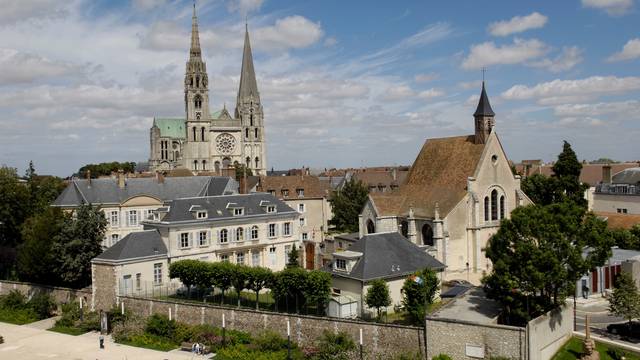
x: 67, y: 330
x: 573, y: 350
x: 150, y: 342
x: 17, y: 317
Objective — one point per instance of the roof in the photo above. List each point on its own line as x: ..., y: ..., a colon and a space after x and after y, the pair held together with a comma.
x: 171, y: 127
x: 484, y: 108
x: 221, y: 207
x: 386, y: 255
x: 438, y: 175
x: 135, y: 245
x: 627, y: 176
x: 312, y: 186
x: 349, y: 237
x: 107, y: 191
x: 590, y: 174
x: 620, y: 221
x: 248, y: 85
x: 385, y: 178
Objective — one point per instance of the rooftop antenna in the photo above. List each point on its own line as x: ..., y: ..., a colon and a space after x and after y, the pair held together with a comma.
x: 484, y: 69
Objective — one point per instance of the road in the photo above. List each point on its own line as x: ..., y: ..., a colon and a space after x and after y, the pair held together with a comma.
x: 600, y: 318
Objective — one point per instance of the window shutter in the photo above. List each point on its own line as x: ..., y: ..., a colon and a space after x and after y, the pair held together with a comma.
x: 218, y: 236
x: 208, y: 236
x: 190, y: 239
x: 276, y: 232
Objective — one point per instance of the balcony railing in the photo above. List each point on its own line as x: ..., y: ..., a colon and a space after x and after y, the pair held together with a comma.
x: 617, y: 189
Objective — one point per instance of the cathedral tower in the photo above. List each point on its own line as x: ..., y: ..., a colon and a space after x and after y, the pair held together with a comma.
x: 249, y: 112
x: 483, y: 116
x: 196, y: 102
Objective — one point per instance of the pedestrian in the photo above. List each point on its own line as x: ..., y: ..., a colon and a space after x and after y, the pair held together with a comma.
x: 101, y: 339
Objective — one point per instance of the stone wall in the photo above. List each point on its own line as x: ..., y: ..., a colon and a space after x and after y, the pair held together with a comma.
x: 547, y: 333
x: 104, y: 286
x: 467, y: 340
x: 380, y: 340
x: 59, y: 294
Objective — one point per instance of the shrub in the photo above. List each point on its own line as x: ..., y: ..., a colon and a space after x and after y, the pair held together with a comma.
x: 43, y: 305
x: 13, y: 300
x: 335, y: 346
x: 160, y: 325
x: 182, y: 332
x: 616, y: 354
x: 441, y: 357
x: 124, y: 331
x: 408, y: 356
x: 270, y: 341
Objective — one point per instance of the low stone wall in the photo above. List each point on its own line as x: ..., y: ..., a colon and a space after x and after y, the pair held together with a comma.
x: 547, y: 333
x: 380, y: 340
x: 468, y: 340
x: 59, y: 294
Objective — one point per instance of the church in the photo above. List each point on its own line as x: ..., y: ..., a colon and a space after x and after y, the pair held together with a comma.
x: 206, y: 141
x: 453, y: 199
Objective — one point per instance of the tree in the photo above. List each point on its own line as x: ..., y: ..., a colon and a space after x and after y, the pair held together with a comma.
x: 221, y: 274
x: 419, y: 291
x: 347, y: 204
x: 239, y: 279
x: 106, y: 168
x: 378, y: 295
x: 625, y: 300
x: 292, y: 260
x: 242, y: 171
x: 13, y: 211
x: 541, y: 189
x: 258, y: 278
x: 290, y: 283
x: 567, y: 172
x: 79, y: 241
x: 189, y: 272
x: 317, y: 288
x: 537, y: 257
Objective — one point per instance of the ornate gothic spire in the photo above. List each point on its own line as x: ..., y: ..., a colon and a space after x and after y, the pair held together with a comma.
x: 484, y: 108
x: 248, y: 84
x: 483, y: 118
x: 195, y: 36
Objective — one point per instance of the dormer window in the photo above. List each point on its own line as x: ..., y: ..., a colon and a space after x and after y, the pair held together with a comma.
x: 285, y: 192
x: 341, y: 264
x: 271, y: 208
x: 201, y: 214
x: 238, y: 211
x: 272, y: 192
x: 300, y: 192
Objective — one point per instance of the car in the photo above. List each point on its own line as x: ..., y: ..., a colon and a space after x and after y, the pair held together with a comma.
x: 631, y: 334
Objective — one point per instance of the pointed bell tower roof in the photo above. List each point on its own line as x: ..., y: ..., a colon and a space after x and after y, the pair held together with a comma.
x: 248, y: 84
x: 195, y: 51
x: 484, y: 107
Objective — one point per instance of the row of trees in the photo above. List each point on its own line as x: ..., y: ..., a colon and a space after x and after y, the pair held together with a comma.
x: 291, y: 284
x: 106, y: 168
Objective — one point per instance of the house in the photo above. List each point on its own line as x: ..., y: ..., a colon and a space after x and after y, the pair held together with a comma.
x: 388, y: 256
x: 310, y: 197
x: 252, y: 229
x: 455, y: 195
x: 602, y: 279
x: 336, y: 243
x: 127, y: 202
x: 619, y: 193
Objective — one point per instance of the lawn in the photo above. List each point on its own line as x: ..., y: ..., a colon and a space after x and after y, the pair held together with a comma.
x: 573, y: 350
x: 18, y: 316
x: 67, y: 330
x: 152, y: 342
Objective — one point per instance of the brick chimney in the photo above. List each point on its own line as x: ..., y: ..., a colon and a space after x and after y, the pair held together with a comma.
x: 394, y: 174
x: 121, y: 182
x: 606, y: 174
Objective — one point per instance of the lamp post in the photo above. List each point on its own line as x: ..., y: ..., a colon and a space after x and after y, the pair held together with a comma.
x: 224, y: 337
x: 288, y: 340
x: 361, y: 353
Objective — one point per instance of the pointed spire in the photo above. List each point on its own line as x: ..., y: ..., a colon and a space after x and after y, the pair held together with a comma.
x: 195, y: 36
x: 248, y: 84
x: 484, y: 108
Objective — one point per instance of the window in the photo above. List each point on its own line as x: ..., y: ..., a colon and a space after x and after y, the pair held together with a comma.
x: 114, y: 238
x: 246, y: 133
x: 257, y: 162
x: 138, y: 281
x: 303, y: 221
x: 164, y: 150
x: 255, y: 258
x: 157, y: 274
x: 194, y: 134
x: 272, y: 230
x: 285, y: 192
x: 502, y: 207
x: 621, y: 211
x: 184, y: 240
x: 494, y: 204
x: 272, y: 256
x: 133, y: 218
x: 427, y: 235
x: 305, y: 236
x: 286, y: 229
x: 198, y: 100
x: 224, y: 236
x: 248, y: 162
x: 238, y: 211
x: 272, y: 192
x: 255, y: 131
x: 202, y: 134
x: 254, y: 232
x: 271, y: 208
x: 113, y: 218
x: 301, y: 208
x: 202, y: 238
x: 202, y: 214
x: 240, y: 258
x: 195, y: 164
x: 486, y: 208
x: 341, y: 264
x: 224, y: 258
x: 300, y: 192
x: 239, y: 234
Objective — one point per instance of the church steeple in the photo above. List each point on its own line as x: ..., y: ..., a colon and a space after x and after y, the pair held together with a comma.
x: 195, y: 51
x: 196, y: 90
x: 248, y: 90
x: 484, y: 118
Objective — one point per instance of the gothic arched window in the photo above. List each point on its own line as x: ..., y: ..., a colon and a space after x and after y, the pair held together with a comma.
x: 256, y: 133
x: 197, y: 101
x: 216, y: 166
x: 486, y: 208
x: 195, y: 164
x: 248, y: 161
x: 197, y: 81
x: 204, y: 164
x: 257, y: 162
x: 246, y: 133
x: 502, y: 207
x: 194, y: 134
x: 494, y: 204
x: 371, y: 228
x: 427, y: 235
x: 251, y: 118
x: 404, y: 228
x: 202, y: 133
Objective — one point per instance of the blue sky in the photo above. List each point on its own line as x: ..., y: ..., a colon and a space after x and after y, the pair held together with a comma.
x: 342, y: 83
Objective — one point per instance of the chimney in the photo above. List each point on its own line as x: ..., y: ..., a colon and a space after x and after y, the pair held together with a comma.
x: 121, y: 182
x: 394, y: 174
x: 89, y: 178
x: 606, y: 174
x: 159, y: 177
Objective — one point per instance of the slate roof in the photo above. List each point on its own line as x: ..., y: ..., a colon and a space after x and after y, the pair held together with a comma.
x: 139, y: 244
x: 171, y: 127
x: 386, y: 255
x: 629, y: 176
x: 438, y: 175
x: 107, y: 191
x: 590, y: 174
x: 484, y: 107
x: 312, y: 186
x: 221, y: 207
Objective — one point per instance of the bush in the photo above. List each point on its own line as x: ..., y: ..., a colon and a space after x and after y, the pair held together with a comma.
x: 13, y: 300
x: 160, y: 325
x: 126, y: 330
x: 43, y: 305
x: 335, y: 346
x: 441, y: 357
x: 270, y: 341
x: 239, y: 352
x: 616, y: 354
x: 408, y: 356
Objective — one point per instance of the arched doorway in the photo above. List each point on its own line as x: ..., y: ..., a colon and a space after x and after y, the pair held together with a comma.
x: 427, y: 235
x: 371, y: 228
x: 404, y: 228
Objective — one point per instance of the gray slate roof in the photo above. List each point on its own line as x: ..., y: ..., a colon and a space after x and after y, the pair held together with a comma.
x: 138, y: 244
x: 386, y: 255
x: 106, y: 190
x: 221, y: 207
x: 484, y: 107
x: 628, y: 176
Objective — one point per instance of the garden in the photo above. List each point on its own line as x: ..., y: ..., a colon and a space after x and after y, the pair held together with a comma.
x: 574, y: 349
x: 16, y: 309
x: 75, y: 321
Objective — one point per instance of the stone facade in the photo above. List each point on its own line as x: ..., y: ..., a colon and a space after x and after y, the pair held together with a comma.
x: 104, y: 286
x: 59, y: 294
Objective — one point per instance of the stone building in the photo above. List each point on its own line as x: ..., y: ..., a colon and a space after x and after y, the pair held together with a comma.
x: 127, y: 202
x: 618, y: 194
x: 456, y: 193
x: 211, y: 141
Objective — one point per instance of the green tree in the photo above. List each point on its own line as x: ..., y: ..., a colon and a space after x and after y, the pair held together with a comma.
x: 13, y: 207
x: 347, y: 204
x: 292, y: 260
x: 537, y: 257
x: 289, y: 284
x: 317, y: 289
x: 239, y: 279
x: 378, y: 295
x: 35, y: 257
x: 625, y: 300
x: 221, y: 274
x: 79, y: 241
x: 241, y: 171
x: 106, y: 168
x: 190, y: 272
x: 419, y: 291
x: 258, y: 278
x: 567, y: 172
x: 541, y: 189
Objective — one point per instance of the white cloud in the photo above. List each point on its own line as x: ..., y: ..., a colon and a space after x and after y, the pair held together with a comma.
x: 517, y: 24
x: 570, y: 57
x: 330, y: 41
x: 470, y: 84
x: 16, y: 11
x: 630, y: 51
x: 244, y: 6
x: 488, y: 53
x: 612, y: 7
x: 423, y: 78
x: 290, y: 32
x: 144, y: 5
x: 573, y: 90
x: 305, y: 131
x: 626, y: 110
x: 18, y: 67
x: 398, y: 93
x: 430, y: 93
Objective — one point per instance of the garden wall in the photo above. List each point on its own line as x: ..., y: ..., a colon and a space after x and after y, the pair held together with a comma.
x: 380, y: 340
x: 547, y: 333
x: 59, y: 294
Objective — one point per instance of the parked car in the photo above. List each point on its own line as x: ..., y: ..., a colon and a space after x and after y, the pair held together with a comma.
x: 631, y: 334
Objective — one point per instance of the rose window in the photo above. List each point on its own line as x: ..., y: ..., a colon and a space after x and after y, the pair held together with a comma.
x: 225, y: 143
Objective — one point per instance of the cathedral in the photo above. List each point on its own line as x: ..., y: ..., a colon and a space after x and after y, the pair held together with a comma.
x: 207, y: 141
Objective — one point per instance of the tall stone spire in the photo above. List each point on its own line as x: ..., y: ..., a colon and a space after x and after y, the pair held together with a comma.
x: 196, y: 87
x: 195, y: 51
x: 248, y: 86
x: 484, y: 118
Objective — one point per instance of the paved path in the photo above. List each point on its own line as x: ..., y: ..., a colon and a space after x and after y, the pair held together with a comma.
x: 600, y: 317
x: 27, y: 343
x: 44, y: 324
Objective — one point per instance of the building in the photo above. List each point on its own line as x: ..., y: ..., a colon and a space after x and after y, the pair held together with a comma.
x: 309, y: 196
x: 618, y: 194
x: 455, y: 195
x: 252, y: 229
x: 602, y: 279
x: 127, y: 202
x: 211, y: 141
x: 388, y: 256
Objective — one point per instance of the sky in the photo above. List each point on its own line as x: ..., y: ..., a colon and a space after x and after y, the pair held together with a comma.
x: 343, y: 83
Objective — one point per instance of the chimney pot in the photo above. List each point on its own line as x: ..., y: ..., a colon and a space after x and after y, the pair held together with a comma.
x: 89, y: 177
x: 606, y: 174
x: 121, y: 182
